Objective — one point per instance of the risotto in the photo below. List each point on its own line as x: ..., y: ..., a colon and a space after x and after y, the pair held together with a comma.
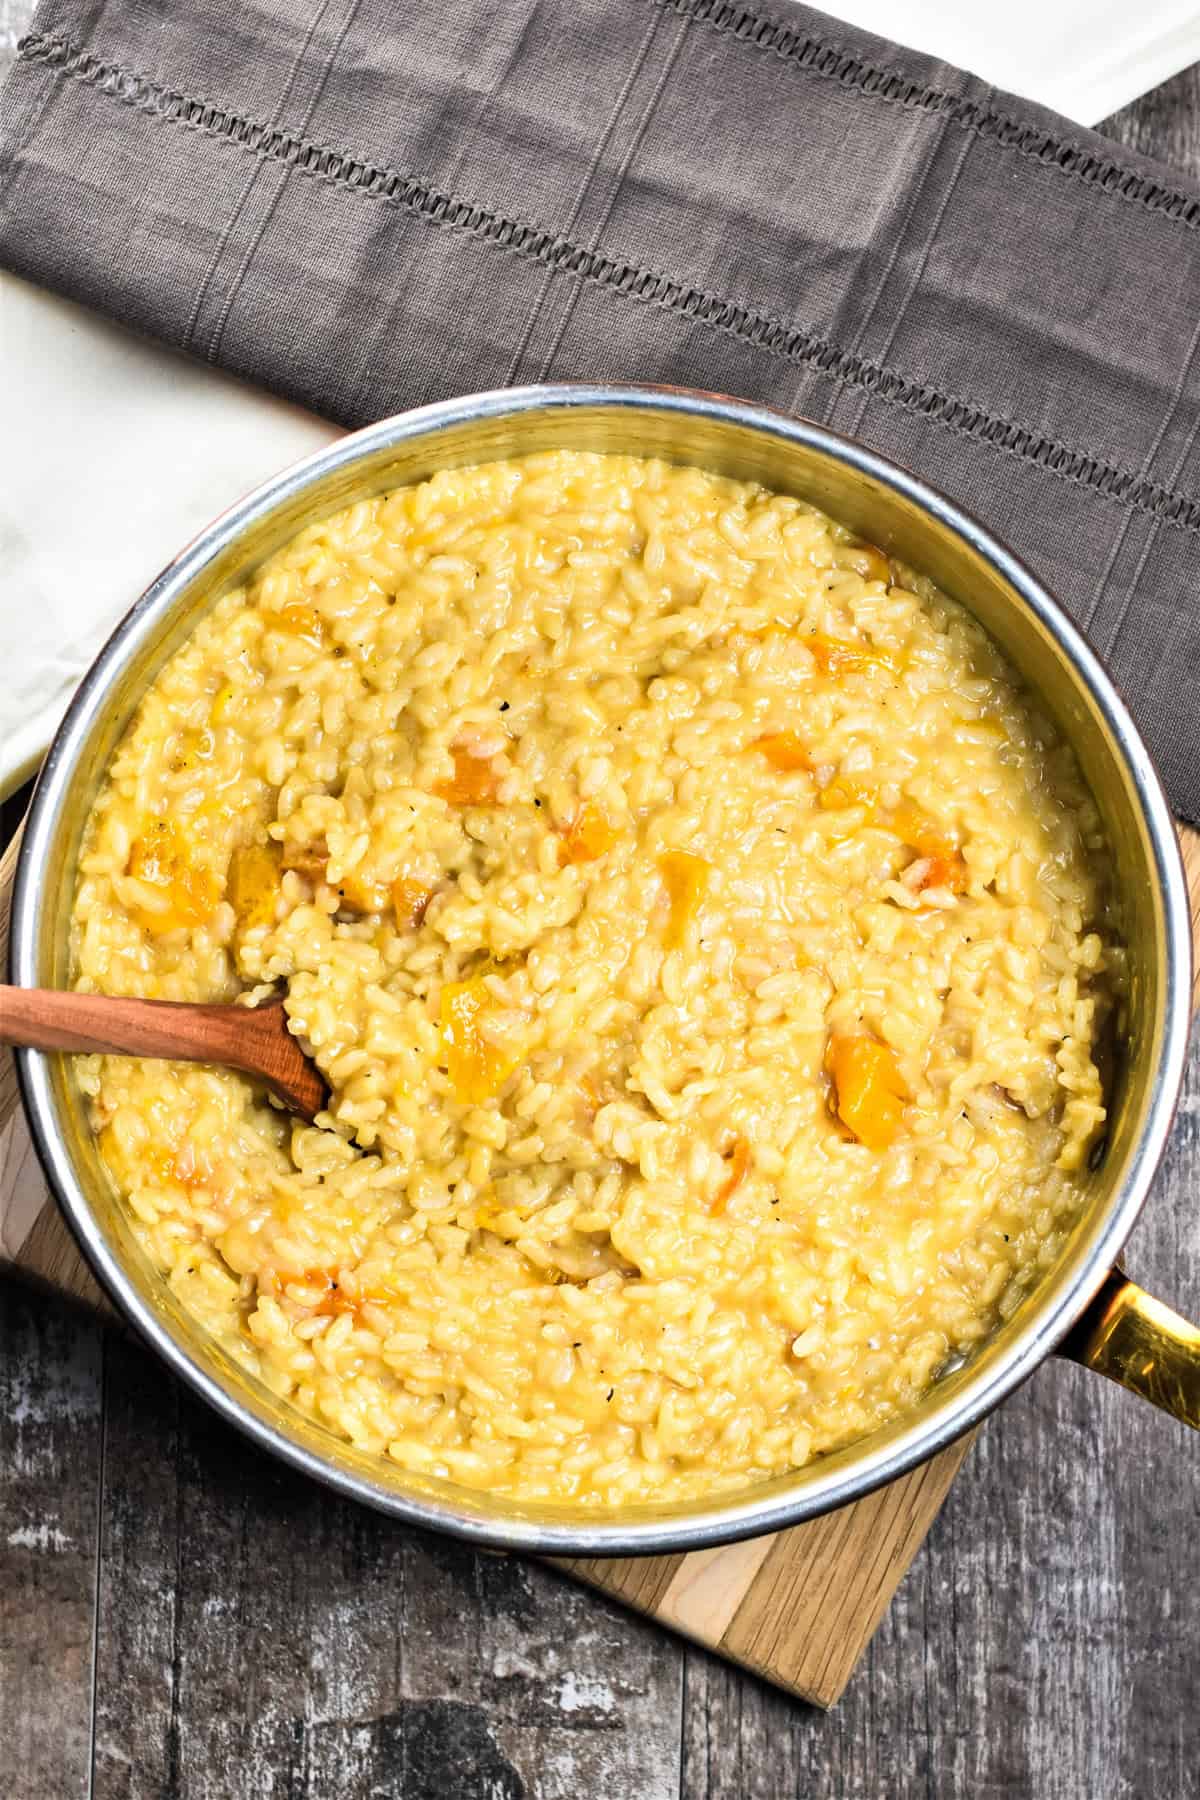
x: 703, y: 939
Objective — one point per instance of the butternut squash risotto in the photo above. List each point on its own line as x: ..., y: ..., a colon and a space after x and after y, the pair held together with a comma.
x: 703, y: 939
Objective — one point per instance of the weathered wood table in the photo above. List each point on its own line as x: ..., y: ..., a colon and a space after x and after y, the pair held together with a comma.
x: 178, y: 1617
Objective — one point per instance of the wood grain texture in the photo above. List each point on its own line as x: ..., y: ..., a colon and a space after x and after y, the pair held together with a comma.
x: 27, y: 1216
x: 30, y: 1226
x: 254, y: 1039
x: 813, y: 1597
x: 1045, y: 1643
x: 797, y: 1609
x: 50, y: 1459
x: 260, y: 1636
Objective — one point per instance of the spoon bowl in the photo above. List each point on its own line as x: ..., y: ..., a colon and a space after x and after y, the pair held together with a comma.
x: 253, y: 1039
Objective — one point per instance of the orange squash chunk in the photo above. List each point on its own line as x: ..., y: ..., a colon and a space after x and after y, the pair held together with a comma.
x: 834, y: 657
x: 473, y: 783
x: 477, y: 1068
x: 162, y: 860
x: 589, y: 836
x: 686, y: 878
x: 253, y: 884
x: 943, y: 872
x: 914, y: 827
x: 300, y: 621
x: 332, y: 1298
x: 154, y: 1162
x: 410, y: 901
x: 739, y: 1168
x: 784, y: 750
x: 869, y: 1091
x: 307, y: 859
x: 358, y: 895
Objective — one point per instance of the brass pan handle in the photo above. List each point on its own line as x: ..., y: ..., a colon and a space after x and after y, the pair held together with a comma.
x: 1135, y: 1340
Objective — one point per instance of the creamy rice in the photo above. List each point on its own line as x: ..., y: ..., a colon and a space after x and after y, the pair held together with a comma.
x: 702, y: 937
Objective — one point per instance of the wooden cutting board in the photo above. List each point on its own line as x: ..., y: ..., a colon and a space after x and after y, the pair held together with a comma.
x: 798, y: 1608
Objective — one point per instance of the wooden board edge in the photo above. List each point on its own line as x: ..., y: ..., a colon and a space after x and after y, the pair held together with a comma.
x: 707, y: 1596
x: 765, y: 1603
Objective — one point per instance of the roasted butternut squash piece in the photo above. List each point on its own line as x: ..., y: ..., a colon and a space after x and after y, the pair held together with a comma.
x: 473, y: 783
x: 835, y: 657
x: 914, y: 827
x: 162, y: 860
x: 477, y: 1068
x: 590, y: 835
x: 410, y: 901
x: 784, y: 750
x: 358, y: 895
x: 686, y: 878
x: 154, y: 1164
x: 938, y: 872
x: 307, y: 859
x: 301, y: 621
x: 253, y: 884
x: 739, y: 1168
x: 321, y: 1292
x: 942, y: 863
x: 868, y: 1089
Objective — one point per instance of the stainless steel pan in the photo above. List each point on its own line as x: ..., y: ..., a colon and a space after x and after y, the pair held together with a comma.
x: 1109, y: 1322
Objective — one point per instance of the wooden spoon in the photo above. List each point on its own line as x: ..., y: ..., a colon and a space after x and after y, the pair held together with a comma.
x: 254, y: 1039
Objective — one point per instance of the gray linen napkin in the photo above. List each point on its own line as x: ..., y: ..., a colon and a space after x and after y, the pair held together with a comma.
x: 365, y: 205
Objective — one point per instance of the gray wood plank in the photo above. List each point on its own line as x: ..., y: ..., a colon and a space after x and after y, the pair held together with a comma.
x: 256, y: 1636
x: 259, y: 1637
x: 135, y: 1735
x: 50, y: 1456
x: 50, y: 1448
x: 1047, y: 1640
x: 576, y: 1689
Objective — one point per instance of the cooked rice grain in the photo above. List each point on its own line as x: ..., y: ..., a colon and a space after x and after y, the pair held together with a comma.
x: 586, y: 806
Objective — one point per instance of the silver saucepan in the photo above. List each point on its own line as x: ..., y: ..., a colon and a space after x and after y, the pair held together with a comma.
x: 1081, y: 1301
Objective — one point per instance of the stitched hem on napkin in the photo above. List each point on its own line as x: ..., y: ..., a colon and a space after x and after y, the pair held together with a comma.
x: 1027, y: 367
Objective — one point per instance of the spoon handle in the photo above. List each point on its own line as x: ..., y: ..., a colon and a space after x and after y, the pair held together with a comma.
x: 51, y: 1019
